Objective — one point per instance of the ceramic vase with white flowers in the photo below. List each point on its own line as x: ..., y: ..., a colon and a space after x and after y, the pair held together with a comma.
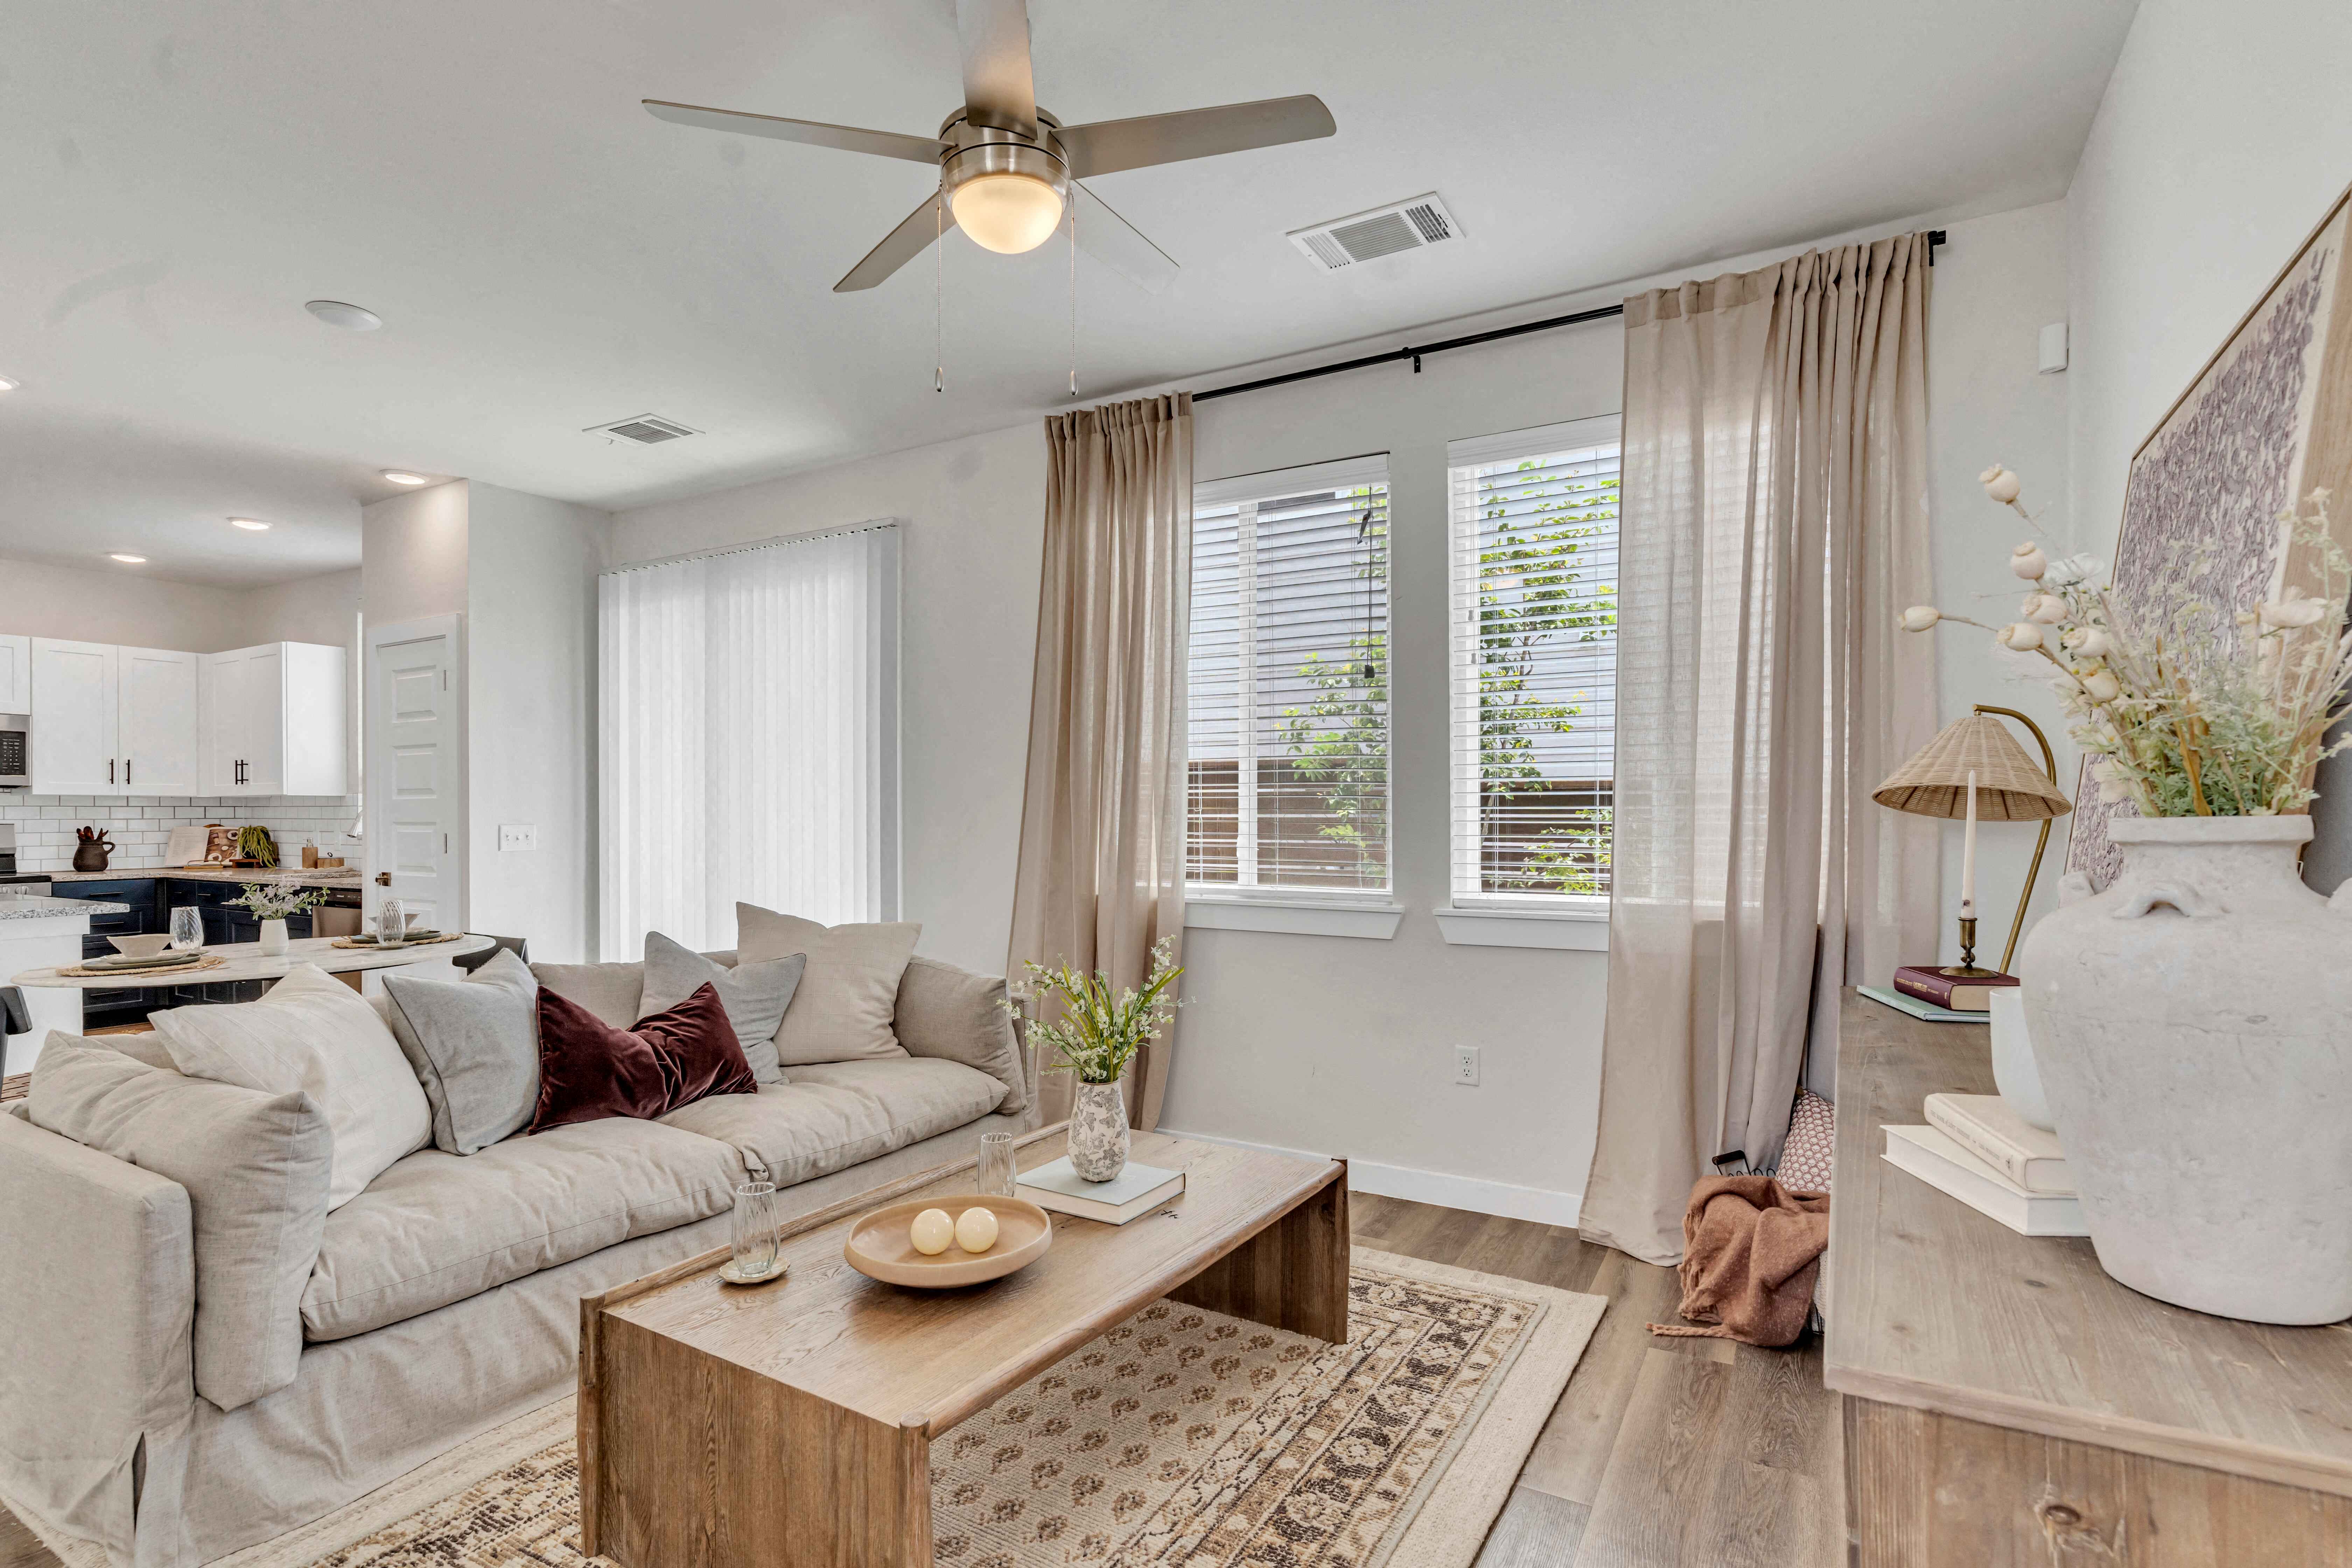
x: 2188, y: 1021
x: 1095, y: 1032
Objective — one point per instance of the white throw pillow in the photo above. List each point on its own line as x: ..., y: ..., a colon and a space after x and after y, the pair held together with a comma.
x: 312, y: 1033
x: 841, y: 1011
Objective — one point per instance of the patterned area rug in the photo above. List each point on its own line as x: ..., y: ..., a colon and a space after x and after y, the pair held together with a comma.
x: 1181, y: 1437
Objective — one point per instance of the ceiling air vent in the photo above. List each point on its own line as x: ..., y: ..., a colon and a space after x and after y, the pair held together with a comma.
x: 1413, y: 225
x: 645, y: 430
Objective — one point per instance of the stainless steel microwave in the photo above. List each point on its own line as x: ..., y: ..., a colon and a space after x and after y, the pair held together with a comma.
x: 16, y: 748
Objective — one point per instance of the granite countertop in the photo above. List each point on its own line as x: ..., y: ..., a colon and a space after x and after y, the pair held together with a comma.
x: 13, y: 908
x: 284, y: 877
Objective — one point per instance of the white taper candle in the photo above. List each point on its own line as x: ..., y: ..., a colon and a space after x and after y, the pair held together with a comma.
x: 1969, y: 855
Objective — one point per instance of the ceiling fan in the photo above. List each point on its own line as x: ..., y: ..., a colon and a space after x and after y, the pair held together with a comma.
x: 1007, y: 168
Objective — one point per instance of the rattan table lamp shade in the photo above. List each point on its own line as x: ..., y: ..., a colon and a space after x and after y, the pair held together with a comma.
x: 2009, y: 788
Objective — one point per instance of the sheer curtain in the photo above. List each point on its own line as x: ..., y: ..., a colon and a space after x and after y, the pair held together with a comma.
x: 1774, y: 522
x: 749, y: 737
x: 1101, y: 872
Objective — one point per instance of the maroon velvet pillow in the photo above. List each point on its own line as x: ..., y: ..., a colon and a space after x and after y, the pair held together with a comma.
x: 589, y: 1070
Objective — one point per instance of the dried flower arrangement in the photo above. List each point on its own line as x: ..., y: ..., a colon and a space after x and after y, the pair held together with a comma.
x: 2192, y: 708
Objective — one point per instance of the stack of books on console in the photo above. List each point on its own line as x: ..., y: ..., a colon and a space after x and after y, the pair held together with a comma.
x: 1925, y: 992
x: 1982, y: 1152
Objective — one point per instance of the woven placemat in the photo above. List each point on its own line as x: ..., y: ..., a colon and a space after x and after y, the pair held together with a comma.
x: 413, y: 941
x: 208, y: 962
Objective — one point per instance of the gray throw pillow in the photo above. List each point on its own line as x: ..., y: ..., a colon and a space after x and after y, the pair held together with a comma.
x: 960, y: 1017
x: 255, y: 1168
x: 754, y: 995
x: 474, y: 1043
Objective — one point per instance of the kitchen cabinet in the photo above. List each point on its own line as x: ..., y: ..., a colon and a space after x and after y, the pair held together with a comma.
x: 76, y: 690
x: 156, y: 721
x: 274, y: 721
x: 16, y: 675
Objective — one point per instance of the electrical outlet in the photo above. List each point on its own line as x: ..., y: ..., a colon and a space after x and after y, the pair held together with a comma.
x: 1465, y: 1065
x: 518, y: 836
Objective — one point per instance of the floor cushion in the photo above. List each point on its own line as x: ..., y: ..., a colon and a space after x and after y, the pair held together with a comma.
x: 438, y: 1227
x: 255, y: 1168
x: 839, y: 1113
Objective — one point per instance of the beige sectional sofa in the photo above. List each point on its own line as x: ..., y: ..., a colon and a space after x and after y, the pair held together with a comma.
x: 444, y: 1298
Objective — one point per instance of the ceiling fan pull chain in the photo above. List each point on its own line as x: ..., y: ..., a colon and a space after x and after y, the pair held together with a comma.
x: 1074, y: 294
x: 940, y: 292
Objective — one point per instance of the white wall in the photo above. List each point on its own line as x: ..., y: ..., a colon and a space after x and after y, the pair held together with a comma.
x: 2225, y: 135
x: 1996, y: 284
x: 530, y: 664
x: 413, y: 555
x: 125, y: 607
x: 973, y: 516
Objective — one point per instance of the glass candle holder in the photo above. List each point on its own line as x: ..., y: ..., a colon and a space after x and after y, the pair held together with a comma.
x: 187, y: 927
x: 997, y: 1173
x: 756, y: 1244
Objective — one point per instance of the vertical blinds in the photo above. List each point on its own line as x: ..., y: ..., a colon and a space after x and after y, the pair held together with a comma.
x: 1288, y: 767
x: 1533, y: 661
x: 750, y: 737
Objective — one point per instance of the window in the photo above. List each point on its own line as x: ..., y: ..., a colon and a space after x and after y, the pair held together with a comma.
x: 749, y: 701
x: 1534, y: 665
x: 1289, y: 763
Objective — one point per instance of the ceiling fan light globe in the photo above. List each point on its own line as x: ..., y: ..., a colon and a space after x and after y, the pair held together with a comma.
x: 1007, y: 213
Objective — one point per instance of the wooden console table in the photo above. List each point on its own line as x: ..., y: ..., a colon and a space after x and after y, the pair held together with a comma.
x: 2006, y: 1403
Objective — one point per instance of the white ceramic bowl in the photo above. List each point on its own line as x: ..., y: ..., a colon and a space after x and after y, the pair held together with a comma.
x: 141, y: 946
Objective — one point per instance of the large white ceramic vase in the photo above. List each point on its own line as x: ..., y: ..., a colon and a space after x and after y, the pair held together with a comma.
x: 2193, y: 1025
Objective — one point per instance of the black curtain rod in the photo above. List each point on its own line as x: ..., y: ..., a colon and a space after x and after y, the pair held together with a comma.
x: 1935, y: 239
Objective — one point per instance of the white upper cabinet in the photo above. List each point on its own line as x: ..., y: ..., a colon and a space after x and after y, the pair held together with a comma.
x: 274, y: 721
x: 76, y: 686
x: 157, y: 721
x: 16, y: 675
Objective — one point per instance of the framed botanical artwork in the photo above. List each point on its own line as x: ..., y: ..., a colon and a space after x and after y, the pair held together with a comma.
x: 2266, y: 421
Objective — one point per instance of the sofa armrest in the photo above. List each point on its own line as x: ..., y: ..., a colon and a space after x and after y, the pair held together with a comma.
x: 97, y: 1390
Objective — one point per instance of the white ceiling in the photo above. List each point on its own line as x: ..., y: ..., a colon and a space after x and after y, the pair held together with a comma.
x: 177, y: 180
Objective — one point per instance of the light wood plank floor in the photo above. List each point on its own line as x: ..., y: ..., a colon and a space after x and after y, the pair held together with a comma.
x: 1662, y: 1453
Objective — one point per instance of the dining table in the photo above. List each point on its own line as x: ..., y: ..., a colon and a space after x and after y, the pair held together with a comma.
x: 244, y: 961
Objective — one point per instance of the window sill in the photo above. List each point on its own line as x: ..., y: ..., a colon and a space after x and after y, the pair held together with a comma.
x: 1584, y: 930
x: 1295, y: 917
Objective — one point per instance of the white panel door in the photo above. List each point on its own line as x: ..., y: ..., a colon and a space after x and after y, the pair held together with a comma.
x: 75, y: 686
x: 157, y: 720
x: 16, y: 675
x: 415, y: 770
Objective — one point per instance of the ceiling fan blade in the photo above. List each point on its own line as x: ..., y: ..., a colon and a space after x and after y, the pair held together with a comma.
x: 848, y: 138
x: 916, y: 235
x: 996, y: 77
x: 1118, y: 244
x: 1110, y: 145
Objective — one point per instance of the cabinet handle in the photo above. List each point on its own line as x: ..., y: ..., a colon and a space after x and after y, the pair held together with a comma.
x: 109, y: 770
x: 126, y: 773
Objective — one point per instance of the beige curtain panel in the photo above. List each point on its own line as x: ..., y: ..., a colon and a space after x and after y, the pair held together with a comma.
x: 1101, y: 874
x: 1774, y: 523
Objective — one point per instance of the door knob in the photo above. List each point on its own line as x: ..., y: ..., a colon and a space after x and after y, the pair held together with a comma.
x: 383, y: 879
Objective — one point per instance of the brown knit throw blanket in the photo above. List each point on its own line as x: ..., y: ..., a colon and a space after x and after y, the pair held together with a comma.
x: 1750, y: 1252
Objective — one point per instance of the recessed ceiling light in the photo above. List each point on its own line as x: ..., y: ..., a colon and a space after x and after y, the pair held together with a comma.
x: 403, y: 476
x: 252, y: 523
x: 8, y: 385
x: 351, y: 317
x: 128, y: 560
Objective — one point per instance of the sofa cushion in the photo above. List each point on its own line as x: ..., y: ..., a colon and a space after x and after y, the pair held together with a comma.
x: 437, y: 1228
x: 611, y: 990
x: 841, y: 1011
x: 960, y: 1017
x: 312, y: 1033
x: 473, y: 1043
x: 754, y: 995
x: 839, y: 1113
x: 256, y: 1167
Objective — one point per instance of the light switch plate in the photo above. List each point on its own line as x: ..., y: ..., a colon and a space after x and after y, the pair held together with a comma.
x: 518, y: 836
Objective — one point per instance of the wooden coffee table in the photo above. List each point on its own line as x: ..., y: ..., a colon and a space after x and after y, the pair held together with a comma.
x: 790, y: 1425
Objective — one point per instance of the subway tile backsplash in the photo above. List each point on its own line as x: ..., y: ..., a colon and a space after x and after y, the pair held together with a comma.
x: 141, y: 829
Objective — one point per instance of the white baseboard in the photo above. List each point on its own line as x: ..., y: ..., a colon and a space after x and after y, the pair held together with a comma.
x: 1541, y: 1205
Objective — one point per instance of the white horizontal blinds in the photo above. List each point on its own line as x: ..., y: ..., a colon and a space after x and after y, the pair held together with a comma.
x: 750, y: 706
x: 1533, y: 661
x: 1288, y: 765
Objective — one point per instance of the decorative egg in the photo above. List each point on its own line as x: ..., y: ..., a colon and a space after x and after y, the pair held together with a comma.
x: 931, y: 1232
x: 976, y: 1230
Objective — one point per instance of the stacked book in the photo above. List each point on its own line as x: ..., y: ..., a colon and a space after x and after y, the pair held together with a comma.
x: 1928, y: 993
x: 1982, y: 1152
